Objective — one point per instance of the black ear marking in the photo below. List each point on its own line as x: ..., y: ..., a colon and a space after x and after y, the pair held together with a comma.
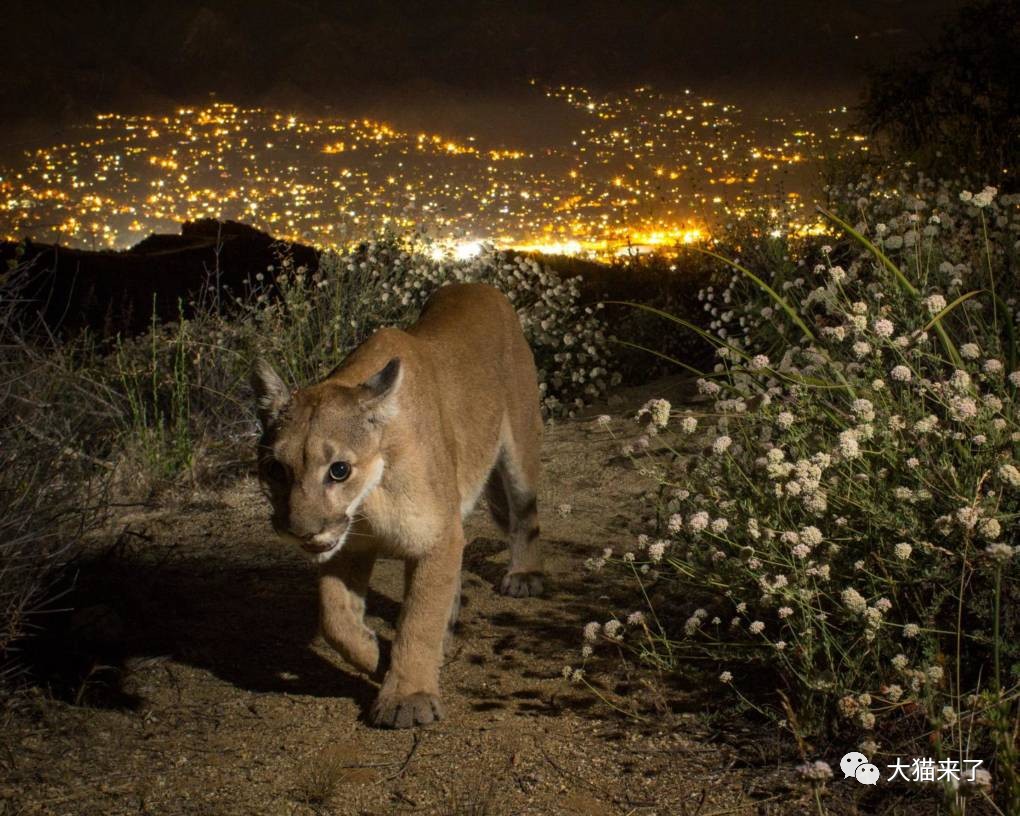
x: 271, y: 393
x: 381, y: 389
x: 380, y: 383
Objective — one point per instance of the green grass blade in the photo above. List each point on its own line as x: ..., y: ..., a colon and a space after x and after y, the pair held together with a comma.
x: 779, y: 299
x: 902, y: 279
x: 711, y: 338
x: 1007, y: 324
x: 951, y: 307
x: 874, y: 250
x: 661, y: 355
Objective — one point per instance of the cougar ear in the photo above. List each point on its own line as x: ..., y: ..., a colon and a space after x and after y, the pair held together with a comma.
x: 381, y: 389
x: 270, y: 392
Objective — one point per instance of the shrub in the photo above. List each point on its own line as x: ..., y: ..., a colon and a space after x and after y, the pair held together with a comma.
x: 668, y: 281
x: 183, y: 386
x: 155, y: 385
x: 308, y: 321
x: 51, y: 488
x: 956, y: 105
x: 847, y: 531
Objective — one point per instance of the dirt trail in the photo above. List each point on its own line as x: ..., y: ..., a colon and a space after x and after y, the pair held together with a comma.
x: 223, y: 707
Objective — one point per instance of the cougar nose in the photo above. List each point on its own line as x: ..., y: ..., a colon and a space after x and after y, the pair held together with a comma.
x: 325, y: 539
x: 310, y: 545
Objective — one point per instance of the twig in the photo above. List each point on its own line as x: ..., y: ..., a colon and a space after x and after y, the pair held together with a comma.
x: 123, y: 788
x: 744, y: 808
x: 65, y: 449
x: 407, y: 760
x: 701, y: 803
x: 571, y: 776
x: 405, y: 798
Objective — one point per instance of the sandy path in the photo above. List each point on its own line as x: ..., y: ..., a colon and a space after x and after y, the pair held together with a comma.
x: 223, y: 707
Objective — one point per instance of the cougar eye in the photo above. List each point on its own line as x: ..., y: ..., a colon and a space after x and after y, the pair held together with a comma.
x: 276, y: 471
x: 339, y: 471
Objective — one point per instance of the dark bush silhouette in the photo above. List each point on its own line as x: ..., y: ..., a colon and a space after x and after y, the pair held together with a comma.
x: 116, y: 292
x: 956, y: 106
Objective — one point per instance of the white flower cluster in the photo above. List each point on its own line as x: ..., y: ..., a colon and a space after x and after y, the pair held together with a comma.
x: 654, y: 415
x: 861, y: 456
x: 386, y: 281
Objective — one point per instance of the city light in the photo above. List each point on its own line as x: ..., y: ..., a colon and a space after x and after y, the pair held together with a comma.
x: 643, y: 170
x: 468, y: 249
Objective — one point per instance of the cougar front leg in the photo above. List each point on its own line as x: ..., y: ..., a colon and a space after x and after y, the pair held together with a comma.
x: 343, y: 583
x: 410, y: 693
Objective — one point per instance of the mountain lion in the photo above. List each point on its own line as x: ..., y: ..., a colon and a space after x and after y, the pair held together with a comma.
x: 386, y: 456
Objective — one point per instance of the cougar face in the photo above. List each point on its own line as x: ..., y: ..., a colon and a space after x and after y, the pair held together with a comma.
x: 319, y: 456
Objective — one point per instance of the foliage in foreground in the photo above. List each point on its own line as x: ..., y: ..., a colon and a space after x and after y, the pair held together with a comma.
x: 51, y: 493
x: 851, y: 526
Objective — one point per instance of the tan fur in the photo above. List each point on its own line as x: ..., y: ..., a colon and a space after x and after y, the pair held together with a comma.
x: 429, y: 419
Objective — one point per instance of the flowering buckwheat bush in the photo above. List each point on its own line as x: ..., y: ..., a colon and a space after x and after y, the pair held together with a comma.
x: 181, y: 389
x: 850, y: 526
x: 314, y: 319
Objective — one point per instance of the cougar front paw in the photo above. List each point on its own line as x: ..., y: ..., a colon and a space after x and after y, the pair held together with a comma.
x: 522, y: 584
x: 360, y: 649
x: 391, y: 711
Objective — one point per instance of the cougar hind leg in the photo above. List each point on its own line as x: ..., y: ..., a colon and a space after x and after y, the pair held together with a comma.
x: 451, y: 623
x: 495, y: 496
x: 514, y: 506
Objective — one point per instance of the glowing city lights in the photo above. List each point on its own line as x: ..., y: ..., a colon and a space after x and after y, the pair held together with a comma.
x: 643, y: 170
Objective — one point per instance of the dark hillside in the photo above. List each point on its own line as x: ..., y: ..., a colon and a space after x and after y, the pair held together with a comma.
x: 110, y: 292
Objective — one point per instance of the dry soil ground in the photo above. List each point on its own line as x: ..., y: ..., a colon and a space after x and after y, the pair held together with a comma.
x: 218, y: 699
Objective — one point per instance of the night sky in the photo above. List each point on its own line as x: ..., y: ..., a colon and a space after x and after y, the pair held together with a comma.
x: 454, y: 61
